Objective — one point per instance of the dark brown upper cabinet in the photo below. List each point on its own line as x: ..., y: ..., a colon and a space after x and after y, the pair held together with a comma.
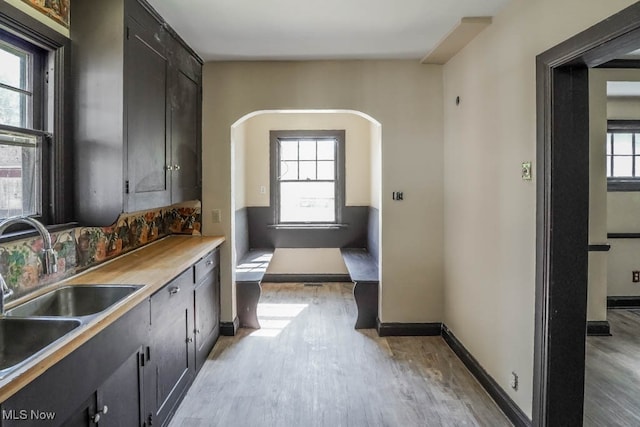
x: 138, y: 111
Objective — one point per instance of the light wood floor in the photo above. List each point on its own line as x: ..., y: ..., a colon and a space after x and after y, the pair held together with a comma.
x: 612, y: 375
x: 307, y: 366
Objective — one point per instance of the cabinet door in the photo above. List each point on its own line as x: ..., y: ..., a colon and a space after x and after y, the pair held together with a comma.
x: 207, y: 315
x: 185, y: 131
x: 119, y: 398
x: 171, y: 352
x: 146, y: 113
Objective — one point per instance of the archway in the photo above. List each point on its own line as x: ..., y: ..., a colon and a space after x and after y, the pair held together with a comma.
x: 264, y: 248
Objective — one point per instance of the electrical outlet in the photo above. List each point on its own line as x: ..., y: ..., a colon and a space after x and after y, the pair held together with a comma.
x: 514, y: 381
x: 216, y: 216
x: 635, y: 276
x: 398, y: 196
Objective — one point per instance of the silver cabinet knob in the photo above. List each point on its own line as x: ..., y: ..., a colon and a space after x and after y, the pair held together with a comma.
x: 169, y: 167
x: 176, y: 167
x: 97, y: 416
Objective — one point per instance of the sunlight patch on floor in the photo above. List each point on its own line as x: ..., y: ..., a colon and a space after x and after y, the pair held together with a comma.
x: 274, y: 318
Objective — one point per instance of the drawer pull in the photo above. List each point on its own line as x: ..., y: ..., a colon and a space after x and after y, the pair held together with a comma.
x: 190, y: 340
x: 174, y: 290
x: 210, y: 262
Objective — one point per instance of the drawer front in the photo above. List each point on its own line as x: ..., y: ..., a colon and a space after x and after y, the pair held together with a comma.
x: 207, y: 264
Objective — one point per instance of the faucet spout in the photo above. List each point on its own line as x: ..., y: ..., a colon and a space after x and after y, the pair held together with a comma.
x: 50, y: 265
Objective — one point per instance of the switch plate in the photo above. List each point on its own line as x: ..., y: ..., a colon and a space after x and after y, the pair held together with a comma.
x: 526, y: 171
x: 263, y: 189
x: 216, y: 216
x: 635, y: 276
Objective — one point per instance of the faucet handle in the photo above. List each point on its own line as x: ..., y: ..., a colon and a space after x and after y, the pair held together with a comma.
x: 50, y: 261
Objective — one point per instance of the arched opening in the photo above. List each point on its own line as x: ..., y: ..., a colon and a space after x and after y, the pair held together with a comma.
x: 266, y: 244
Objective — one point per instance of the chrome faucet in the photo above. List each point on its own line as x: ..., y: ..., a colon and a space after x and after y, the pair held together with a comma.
x: 50, y: 265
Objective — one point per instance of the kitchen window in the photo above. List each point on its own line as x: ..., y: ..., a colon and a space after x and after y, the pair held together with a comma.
x: 22, y: 140
x: 623, y: 155
x: 36, y: 171
x: 307, y: 177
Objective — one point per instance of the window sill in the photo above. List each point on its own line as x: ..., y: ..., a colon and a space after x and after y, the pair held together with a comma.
x: 623, y: 185
x: 308, y: 226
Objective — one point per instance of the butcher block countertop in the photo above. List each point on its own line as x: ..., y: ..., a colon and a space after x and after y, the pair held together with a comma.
x: 153, y: 266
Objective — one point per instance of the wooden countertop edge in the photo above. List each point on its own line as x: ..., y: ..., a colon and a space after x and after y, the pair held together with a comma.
x: 166, y: 259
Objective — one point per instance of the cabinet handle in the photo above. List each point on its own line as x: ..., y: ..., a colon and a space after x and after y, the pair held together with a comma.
x: 174, y: 290
x: 96, y: 417
x: 176, y: 167
x: 210, y: 262
x: 190, y: 339
x: 169, y: 167
x: 197, y: 331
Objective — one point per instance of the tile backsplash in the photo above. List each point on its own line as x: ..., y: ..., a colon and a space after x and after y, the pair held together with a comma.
x: 83, y: 247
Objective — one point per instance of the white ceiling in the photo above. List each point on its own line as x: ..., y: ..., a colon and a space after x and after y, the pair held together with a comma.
x: 317, y: 29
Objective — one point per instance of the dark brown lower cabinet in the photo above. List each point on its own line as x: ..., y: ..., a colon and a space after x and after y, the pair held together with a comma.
x: 137, y: 370
x: 117, y: 402
x: 170, y: 368
x: 206, y: 306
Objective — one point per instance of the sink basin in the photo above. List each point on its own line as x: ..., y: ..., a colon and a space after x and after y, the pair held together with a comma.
x: 74, y: 301
x: 22, y: 339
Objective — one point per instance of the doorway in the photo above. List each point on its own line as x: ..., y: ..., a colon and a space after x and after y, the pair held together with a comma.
x: 563, y: 212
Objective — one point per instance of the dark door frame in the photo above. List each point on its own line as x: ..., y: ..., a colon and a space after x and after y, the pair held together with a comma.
x: 563, y: 212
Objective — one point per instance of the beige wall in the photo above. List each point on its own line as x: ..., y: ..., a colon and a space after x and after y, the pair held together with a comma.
x: 239, y: 155
x: 19, y: 4
x: 375, y: 164
x: 490, y: 223
x: 597, y: 274
x: 357, y: 151
x: 406, y: 98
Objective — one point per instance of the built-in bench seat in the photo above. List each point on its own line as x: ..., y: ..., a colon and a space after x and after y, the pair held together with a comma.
x: 362, y: 268
x: 364, y: 272
x: 250, y: 271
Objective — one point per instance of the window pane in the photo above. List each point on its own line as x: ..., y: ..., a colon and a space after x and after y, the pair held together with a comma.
x: 622, y: 165
x: 326, y: 149
x: 307, y: 149
x: 307, y: 202
x: 288, y: 171
x: 13, y: 68
x: 609, y: 166
x: 19, y: 178
x: 307, y: 169
x: 608, y: 143
x: 13, y: 109
x: 288, y: 150
x: 637, y: 161
x: 326, y: 170
x: 622, y: 144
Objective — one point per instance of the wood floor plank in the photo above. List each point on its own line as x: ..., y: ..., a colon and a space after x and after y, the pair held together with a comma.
x: 612, y: 374
x: 307, y: 366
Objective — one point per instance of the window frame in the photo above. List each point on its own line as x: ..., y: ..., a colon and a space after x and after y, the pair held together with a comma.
x: 339, y: 180
x: 623, y: 183
x: 57, y: 167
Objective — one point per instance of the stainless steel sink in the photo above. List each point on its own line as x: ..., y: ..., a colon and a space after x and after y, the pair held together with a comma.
x: 74, y: 301
x: 22, y: 339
